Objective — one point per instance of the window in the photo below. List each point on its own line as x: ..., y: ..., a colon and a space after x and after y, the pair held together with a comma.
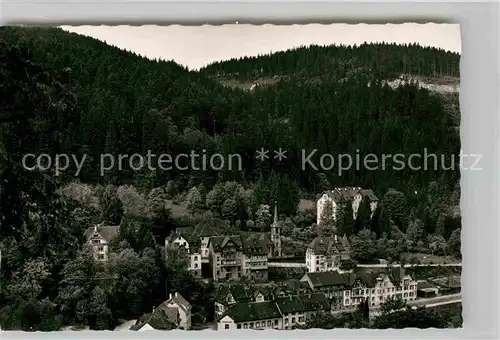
x: 301, y: 319
x: 96, y: 241
x: 238, y: 326
x: 347, y: 293
x: 276, y: 322
x: 100, y: 257
x: 317, y: 261
x: 257, y: 324
x: 196, y: 265
x: 269, y: 323
x: 101, y: 248
x: 196, y: 258
x: 251, y: 324
x: 293, y: 320
x: 245, y: 326
x: 346, y: 302
x: 226, y: 326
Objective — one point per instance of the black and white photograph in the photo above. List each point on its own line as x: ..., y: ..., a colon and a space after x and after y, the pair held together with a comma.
x: 230, y: 177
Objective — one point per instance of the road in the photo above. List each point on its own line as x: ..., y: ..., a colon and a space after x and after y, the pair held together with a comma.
x: 303, y: 265
x: 411, y: 265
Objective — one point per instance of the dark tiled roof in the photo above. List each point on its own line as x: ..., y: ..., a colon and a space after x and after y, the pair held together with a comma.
x: 328, y: 245
x: 256, y: 243
x: 108, y: 232
x: 158, y: 320
x: 315, y: 302
x: 253, y: 311
x: 330, y: 278
x: 250, y: 243
x: 239, y: 292
x: 425, y: 284
x: 290, y: 304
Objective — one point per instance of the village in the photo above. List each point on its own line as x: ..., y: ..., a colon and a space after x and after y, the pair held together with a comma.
x: 247, y: 297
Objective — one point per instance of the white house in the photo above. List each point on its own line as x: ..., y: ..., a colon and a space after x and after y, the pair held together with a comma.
x: 192, y: 250
x: 251, y: 315
x: 171, y: 314
x: 326, y: 253
x: 332, y: 200
x: 98, y: 238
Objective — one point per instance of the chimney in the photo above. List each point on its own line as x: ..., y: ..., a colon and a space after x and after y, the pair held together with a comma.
x: 153, y: 309
x: 170, y: 296
x: 95, y: 228
x: 175, y: 294
x: 335, y: 237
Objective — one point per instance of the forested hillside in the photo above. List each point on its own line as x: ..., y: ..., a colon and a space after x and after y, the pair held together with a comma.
x: 65, y: 93
x: 128, y: 104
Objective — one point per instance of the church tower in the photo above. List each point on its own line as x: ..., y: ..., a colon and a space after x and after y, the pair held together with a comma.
x: 276, y: 233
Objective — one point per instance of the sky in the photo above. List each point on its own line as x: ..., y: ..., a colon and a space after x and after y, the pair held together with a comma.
x: 197, y: 46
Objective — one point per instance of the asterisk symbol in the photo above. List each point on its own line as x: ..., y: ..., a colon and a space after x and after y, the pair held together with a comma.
x: 280, y: 154
x: 262, y: 154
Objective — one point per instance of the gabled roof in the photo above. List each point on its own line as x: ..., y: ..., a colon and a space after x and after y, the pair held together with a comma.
x: 250, y: 243
x: 158, y: 320
x: 290, y: 304
x: 253, y: 311
x: 328, y: 245
x: 239, y: 292
x: 255, y: 243
x: 107, y: 232
x: 178, y: 299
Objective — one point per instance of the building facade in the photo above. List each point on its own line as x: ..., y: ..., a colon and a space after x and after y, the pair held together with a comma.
x: 327, y: 253
x: 282, y: 312
x: 98, y: 239
x: 349, y: 289
x: 329, y: 204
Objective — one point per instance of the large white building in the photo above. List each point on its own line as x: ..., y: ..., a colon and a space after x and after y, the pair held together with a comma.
x: 333, y: 199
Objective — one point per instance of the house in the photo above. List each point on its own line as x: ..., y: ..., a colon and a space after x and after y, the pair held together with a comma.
x: 178, y: 309
x: 228, y: 295
x: 349, y: 289
x: 190, y: 246
x: 98, y: 238
x: 284, y: 312
x: 426, y: 289
x: 334, y: 199
x: 295, y: 309
x: 251, y: 315
x: 244, y: 255
x: 171, y: 314
x: 327, y: 253
x: 157, y: 320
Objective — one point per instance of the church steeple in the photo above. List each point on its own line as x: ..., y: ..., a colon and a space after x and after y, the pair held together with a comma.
x: 276, y: 234
x: 275, y: 212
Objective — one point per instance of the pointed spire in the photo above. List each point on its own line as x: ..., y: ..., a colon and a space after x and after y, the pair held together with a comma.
x: 275, y: 211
